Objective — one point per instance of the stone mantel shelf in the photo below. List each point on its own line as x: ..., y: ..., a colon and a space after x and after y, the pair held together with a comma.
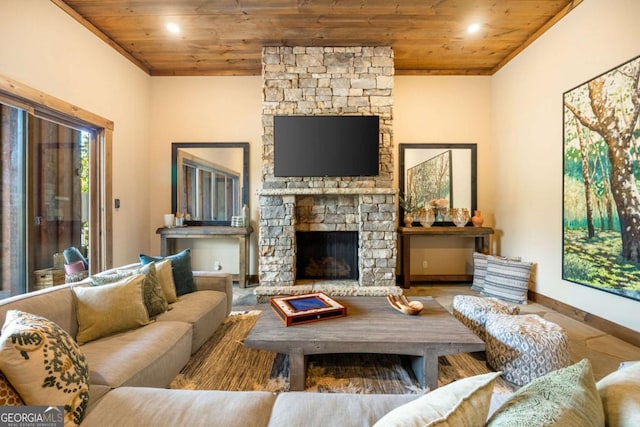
x: 322, y: 191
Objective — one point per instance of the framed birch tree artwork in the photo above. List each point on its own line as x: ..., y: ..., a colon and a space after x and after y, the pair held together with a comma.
x: 601, y: 172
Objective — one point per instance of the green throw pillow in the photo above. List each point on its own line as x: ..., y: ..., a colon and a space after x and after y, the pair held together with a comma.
x: 154, y: 298
x: 108, y: 309
x: 181, y: 267
x: 566, y: 397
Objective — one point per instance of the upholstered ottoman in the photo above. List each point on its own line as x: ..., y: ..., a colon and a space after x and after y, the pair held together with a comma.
x: 472, y: 311
x: 525, y: 347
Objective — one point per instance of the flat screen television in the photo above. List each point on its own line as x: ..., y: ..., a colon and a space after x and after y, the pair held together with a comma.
x: 320, y: 146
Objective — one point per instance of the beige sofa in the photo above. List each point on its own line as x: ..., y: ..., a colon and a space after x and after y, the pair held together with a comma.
x: 149, y: 356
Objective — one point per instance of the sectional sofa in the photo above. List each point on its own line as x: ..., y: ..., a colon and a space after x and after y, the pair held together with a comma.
x: 129, y: 372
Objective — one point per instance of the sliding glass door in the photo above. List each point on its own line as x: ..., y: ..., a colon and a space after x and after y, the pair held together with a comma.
x: 45, y: 196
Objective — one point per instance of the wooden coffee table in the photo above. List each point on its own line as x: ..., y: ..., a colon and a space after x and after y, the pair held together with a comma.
x: 371, y: 326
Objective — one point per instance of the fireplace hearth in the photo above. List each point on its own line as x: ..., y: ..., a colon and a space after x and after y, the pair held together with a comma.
x: 331, y: 255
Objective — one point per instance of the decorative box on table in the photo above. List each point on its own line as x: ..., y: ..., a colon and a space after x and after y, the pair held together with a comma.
x: 297, y: 309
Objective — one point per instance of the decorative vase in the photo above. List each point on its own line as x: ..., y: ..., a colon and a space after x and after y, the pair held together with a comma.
x: 408, y: 220
x: 477, y: 219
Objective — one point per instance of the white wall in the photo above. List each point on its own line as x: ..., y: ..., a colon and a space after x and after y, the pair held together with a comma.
x: 43, y: 47
x: 527, y: 122
x: 451, y: 110
x: 204, y: 109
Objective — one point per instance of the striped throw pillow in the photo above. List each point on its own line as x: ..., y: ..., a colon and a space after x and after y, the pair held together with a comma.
x: 507, y: 280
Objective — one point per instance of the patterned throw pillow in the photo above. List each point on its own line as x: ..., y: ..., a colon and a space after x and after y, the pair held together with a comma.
x: 108, y: 309
x: 107, y: 278
x: 480, y: 264
x: 44, y: 364
x: 479, y: 271
x: 8, y: 395
x: 566, y: 397
x: 461, y: 403
x: 182, y: 272
x: 154, y: 298
x: 507, y: 280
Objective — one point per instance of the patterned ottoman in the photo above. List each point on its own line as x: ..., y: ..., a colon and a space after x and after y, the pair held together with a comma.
x: 472, y: 311
x: 525, y: 347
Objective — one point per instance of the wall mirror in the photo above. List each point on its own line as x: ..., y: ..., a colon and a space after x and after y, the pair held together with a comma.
x: 439, y: 174
x: 209, y: 181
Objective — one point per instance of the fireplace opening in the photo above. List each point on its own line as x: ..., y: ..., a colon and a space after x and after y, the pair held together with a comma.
x: 331, y: 255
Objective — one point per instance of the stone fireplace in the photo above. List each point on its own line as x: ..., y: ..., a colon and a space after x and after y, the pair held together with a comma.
x: 328, y: 81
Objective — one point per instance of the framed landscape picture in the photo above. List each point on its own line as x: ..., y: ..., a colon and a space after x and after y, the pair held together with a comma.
x: 601, y: 172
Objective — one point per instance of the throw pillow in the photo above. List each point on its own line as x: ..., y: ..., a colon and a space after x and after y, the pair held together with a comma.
x: 108, y: 309
x: 44, y: 364
x: 479, y: 271
x: 566, y: 397
x: 507, y: 280
x: 111, y: 277
x: 480, y: 263
x: 620, y: 394
x: 154, y: 299
x: 8, y: 395
x: 165, y: 277
x: 182, y: 272
x: 463, y: 402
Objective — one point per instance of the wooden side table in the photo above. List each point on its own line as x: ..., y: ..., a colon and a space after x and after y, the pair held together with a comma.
x: 480, y: 234
x: 169, y: 234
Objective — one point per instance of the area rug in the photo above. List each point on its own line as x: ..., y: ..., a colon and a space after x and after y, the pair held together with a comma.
x: 224, y: 363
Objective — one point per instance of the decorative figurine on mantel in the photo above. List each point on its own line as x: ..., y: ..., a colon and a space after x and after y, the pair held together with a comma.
x: 477, y: 219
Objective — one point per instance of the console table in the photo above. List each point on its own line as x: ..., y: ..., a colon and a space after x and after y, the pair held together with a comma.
x: 169, y: 234
x: 480, y: 234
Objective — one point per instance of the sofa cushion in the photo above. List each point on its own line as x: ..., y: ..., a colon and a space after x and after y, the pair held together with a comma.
x: 204, y: 310
x: 507, y: 279
x: 105, y: 310
x: 44, y: 364
x: 620, y: 395
x: 149, y: 356
x: 566, y: 397
x: 55, y: 303
x: 463, y: 402
x: 126, y: 406
x: 335, y: 409
x: 181, y: 267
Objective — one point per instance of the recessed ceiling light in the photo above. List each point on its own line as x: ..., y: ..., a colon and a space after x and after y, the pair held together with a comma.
x: 173, y: 28
x: 473, y: 28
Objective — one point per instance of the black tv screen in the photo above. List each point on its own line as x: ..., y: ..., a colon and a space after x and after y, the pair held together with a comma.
x: 326, y: 145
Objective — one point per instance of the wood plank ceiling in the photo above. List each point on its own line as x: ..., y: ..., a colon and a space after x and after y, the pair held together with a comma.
x: 225, y: 37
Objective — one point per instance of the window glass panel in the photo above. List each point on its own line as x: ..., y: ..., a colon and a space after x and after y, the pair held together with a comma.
x: 13, y: 208
x: 59, y: 176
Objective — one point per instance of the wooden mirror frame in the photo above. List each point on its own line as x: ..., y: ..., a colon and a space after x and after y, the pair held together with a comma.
x: 472, y: 171
x: 244, y: 191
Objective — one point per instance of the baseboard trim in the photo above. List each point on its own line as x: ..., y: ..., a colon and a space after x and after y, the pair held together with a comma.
x: 611, y: 328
